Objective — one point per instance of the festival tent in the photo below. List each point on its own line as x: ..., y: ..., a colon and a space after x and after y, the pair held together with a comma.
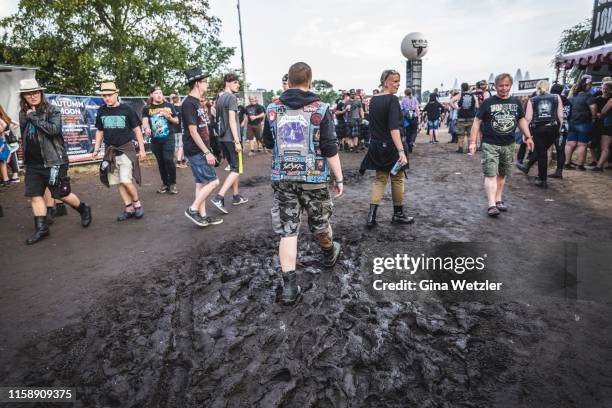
x: 599, y: 55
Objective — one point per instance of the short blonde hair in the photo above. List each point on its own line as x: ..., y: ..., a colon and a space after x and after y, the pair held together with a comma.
x: 503, y: 76
x: 542, y: 87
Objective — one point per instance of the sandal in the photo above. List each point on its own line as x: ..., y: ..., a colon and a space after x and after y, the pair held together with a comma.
x: 501, y: 206
x: 492, y: 211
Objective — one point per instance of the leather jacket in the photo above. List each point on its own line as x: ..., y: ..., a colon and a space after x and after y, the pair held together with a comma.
x: 49, y: 127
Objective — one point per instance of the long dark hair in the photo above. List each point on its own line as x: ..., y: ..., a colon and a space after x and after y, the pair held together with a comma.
x: 42, y: 107
x: 5, y: 117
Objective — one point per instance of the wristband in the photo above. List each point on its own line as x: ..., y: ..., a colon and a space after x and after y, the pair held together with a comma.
x: 207, y: 153
x: 339, y: 181
x: 401, y: 151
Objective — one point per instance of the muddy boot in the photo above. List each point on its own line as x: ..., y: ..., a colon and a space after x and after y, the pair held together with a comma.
x: 538, y: 182
x: 399, y: 217
x: 42, y: 230
x: 372, y: 216
x: 291, y: 290
x: 330, y: 256
x: 60, y: 210
x: 85, y: 211
x: 558, y: 174
x: 51, y: 214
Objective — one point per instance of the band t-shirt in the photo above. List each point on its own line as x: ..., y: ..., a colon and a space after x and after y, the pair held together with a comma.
x: 193, y: 114
x: 434, y: 110
x: 254, y: 110
x: 160, y: 126
x: 33, y: 154
x: 385, y: 116
x: 117, y: 123
x: 500, y: 118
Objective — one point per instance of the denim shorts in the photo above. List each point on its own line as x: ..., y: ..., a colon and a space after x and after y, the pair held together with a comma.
x: 433, y: 124
x: 203, y: 173
x: 580, y: 132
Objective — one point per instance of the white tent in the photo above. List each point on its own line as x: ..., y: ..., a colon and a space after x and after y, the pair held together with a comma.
x: 10, y: 75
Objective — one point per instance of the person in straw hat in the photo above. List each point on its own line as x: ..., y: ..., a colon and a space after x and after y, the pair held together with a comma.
x: 117, y: 124
x: 45, y: 158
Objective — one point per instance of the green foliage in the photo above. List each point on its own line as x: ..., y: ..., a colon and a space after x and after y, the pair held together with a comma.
x: 137, y: 43
x: 325, y: 90
x: 267, y: 96
x: 574, y: 38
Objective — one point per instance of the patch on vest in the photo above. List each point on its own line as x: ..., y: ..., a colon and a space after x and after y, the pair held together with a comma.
x: 292, y: 129
x: 315, y: 119
x: 272, y: 116
x: 312, y: 107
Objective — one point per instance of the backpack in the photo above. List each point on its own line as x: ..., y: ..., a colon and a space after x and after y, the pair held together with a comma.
x: 467, y: 103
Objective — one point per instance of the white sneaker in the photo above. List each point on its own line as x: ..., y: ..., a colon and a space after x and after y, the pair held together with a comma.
x: 227, y: 168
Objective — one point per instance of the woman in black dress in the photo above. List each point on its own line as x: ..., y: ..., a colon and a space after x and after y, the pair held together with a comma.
x: 386, y: 149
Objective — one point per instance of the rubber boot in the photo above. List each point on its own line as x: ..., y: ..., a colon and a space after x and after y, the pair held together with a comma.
x: 330, y: 256
x: 291, y: 290
x: 42, y: 230
x: 51, y: 214
x: 60, y: 210
x: 399, y: 217
x: 85, y: 211
x: 372, y: 216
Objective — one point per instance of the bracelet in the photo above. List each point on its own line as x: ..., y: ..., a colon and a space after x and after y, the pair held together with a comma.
x: 207, y: 153
x: 401, y: 151
x: 339, y: 181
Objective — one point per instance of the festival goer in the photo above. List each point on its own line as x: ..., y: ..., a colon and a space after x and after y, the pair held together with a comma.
x: 354, y: 113
x: 545, y: 117
x: 7, y: 130
x: 482, y: 93
x: 452, y: 118
x: 411, y: 112
x: 242, y: 118
x: 177, y: 132
x: 606, y: 132
x: 601, y: 98
x: 466, y: 111
x: 197, y: 148
x: 342, y: 130
x: 255, y: 114
x: 229, y: 139
x: 499, y: 115
x: 434, y: 110
x: 562, y: 139
x: 300, y: 130
x: 45, y: 158
x: 117, y: 124
x: 386, y: 149
x: 584, y: 113
x: 157, y: 116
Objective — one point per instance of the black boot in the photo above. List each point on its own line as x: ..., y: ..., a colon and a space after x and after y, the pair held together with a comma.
x: 330, y: 256
x: 523, y: 167
x: 42, y: 230
x: 538, y: 182
x: 85, y: 212
x: 60, y: 209
x: 558, y: 174
x: 399, y: 217
x: 51, y: 214
x: 372, y: 216
x: 291, y: 290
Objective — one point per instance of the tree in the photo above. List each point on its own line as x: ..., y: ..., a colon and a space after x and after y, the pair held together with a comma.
x: 325, y: 90
x: 574, y: 38
x: 78, y: 43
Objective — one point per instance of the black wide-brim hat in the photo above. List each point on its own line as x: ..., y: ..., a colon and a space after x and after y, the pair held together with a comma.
x: 195, y: 74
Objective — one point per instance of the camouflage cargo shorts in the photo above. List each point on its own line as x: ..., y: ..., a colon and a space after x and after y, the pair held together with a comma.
x: 290, y: 199
x: 497, y: 160
x: 464, y: 127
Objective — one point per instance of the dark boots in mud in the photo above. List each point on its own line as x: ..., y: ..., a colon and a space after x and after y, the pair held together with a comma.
x: 291, y: 290
x: 42, y: 230
x: 330, y: 256
x: 399, y: 217
x: 371, y: 222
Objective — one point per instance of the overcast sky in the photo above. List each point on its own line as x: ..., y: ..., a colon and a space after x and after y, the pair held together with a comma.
x: 350, y: 42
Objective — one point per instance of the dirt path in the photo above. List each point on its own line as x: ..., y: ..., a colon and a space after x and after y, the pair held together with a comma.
x: 188, y: 317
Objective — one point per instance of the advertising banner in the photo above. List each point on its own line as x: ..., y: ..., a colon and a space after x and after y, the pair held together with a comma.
x: 601, y: 28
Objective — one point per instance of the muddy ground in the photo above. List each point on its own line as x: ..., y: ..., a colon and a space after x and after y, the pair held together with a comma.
x: 159, y: 313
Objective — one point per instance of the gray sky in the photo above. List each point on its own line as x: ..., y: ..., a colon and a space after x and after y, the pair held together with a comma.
x: 350, y: 42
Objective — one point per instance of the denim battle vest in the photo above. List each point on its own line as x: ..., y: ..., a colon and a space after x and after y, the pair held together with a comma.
x: 297, y: 152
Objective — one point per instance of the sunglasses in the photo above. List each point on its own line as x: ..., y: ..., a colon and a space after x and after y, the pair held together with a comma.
x: 31, y: 93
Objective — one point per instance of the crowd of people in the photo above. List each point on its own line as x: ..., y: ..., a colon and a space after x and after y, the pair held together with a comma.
x: 201, y: 133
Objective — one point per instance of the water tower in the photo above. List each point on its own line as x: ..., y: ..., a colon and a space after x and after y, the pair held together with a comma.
x: 414, y: 47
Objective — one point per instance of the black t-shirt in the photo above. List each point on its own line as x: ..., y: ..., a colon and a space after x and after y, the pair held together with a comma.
x: 500, y: 118
x: 177, y: 128
x: 385, y: 116
x: 433, y: 109
x: 33, y: 155
x: 241, y: 113
x: 193, y: 114
x: 160, y: 126
x: 340, y: 106
x: 254, y: 110
x: 117, y: 123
